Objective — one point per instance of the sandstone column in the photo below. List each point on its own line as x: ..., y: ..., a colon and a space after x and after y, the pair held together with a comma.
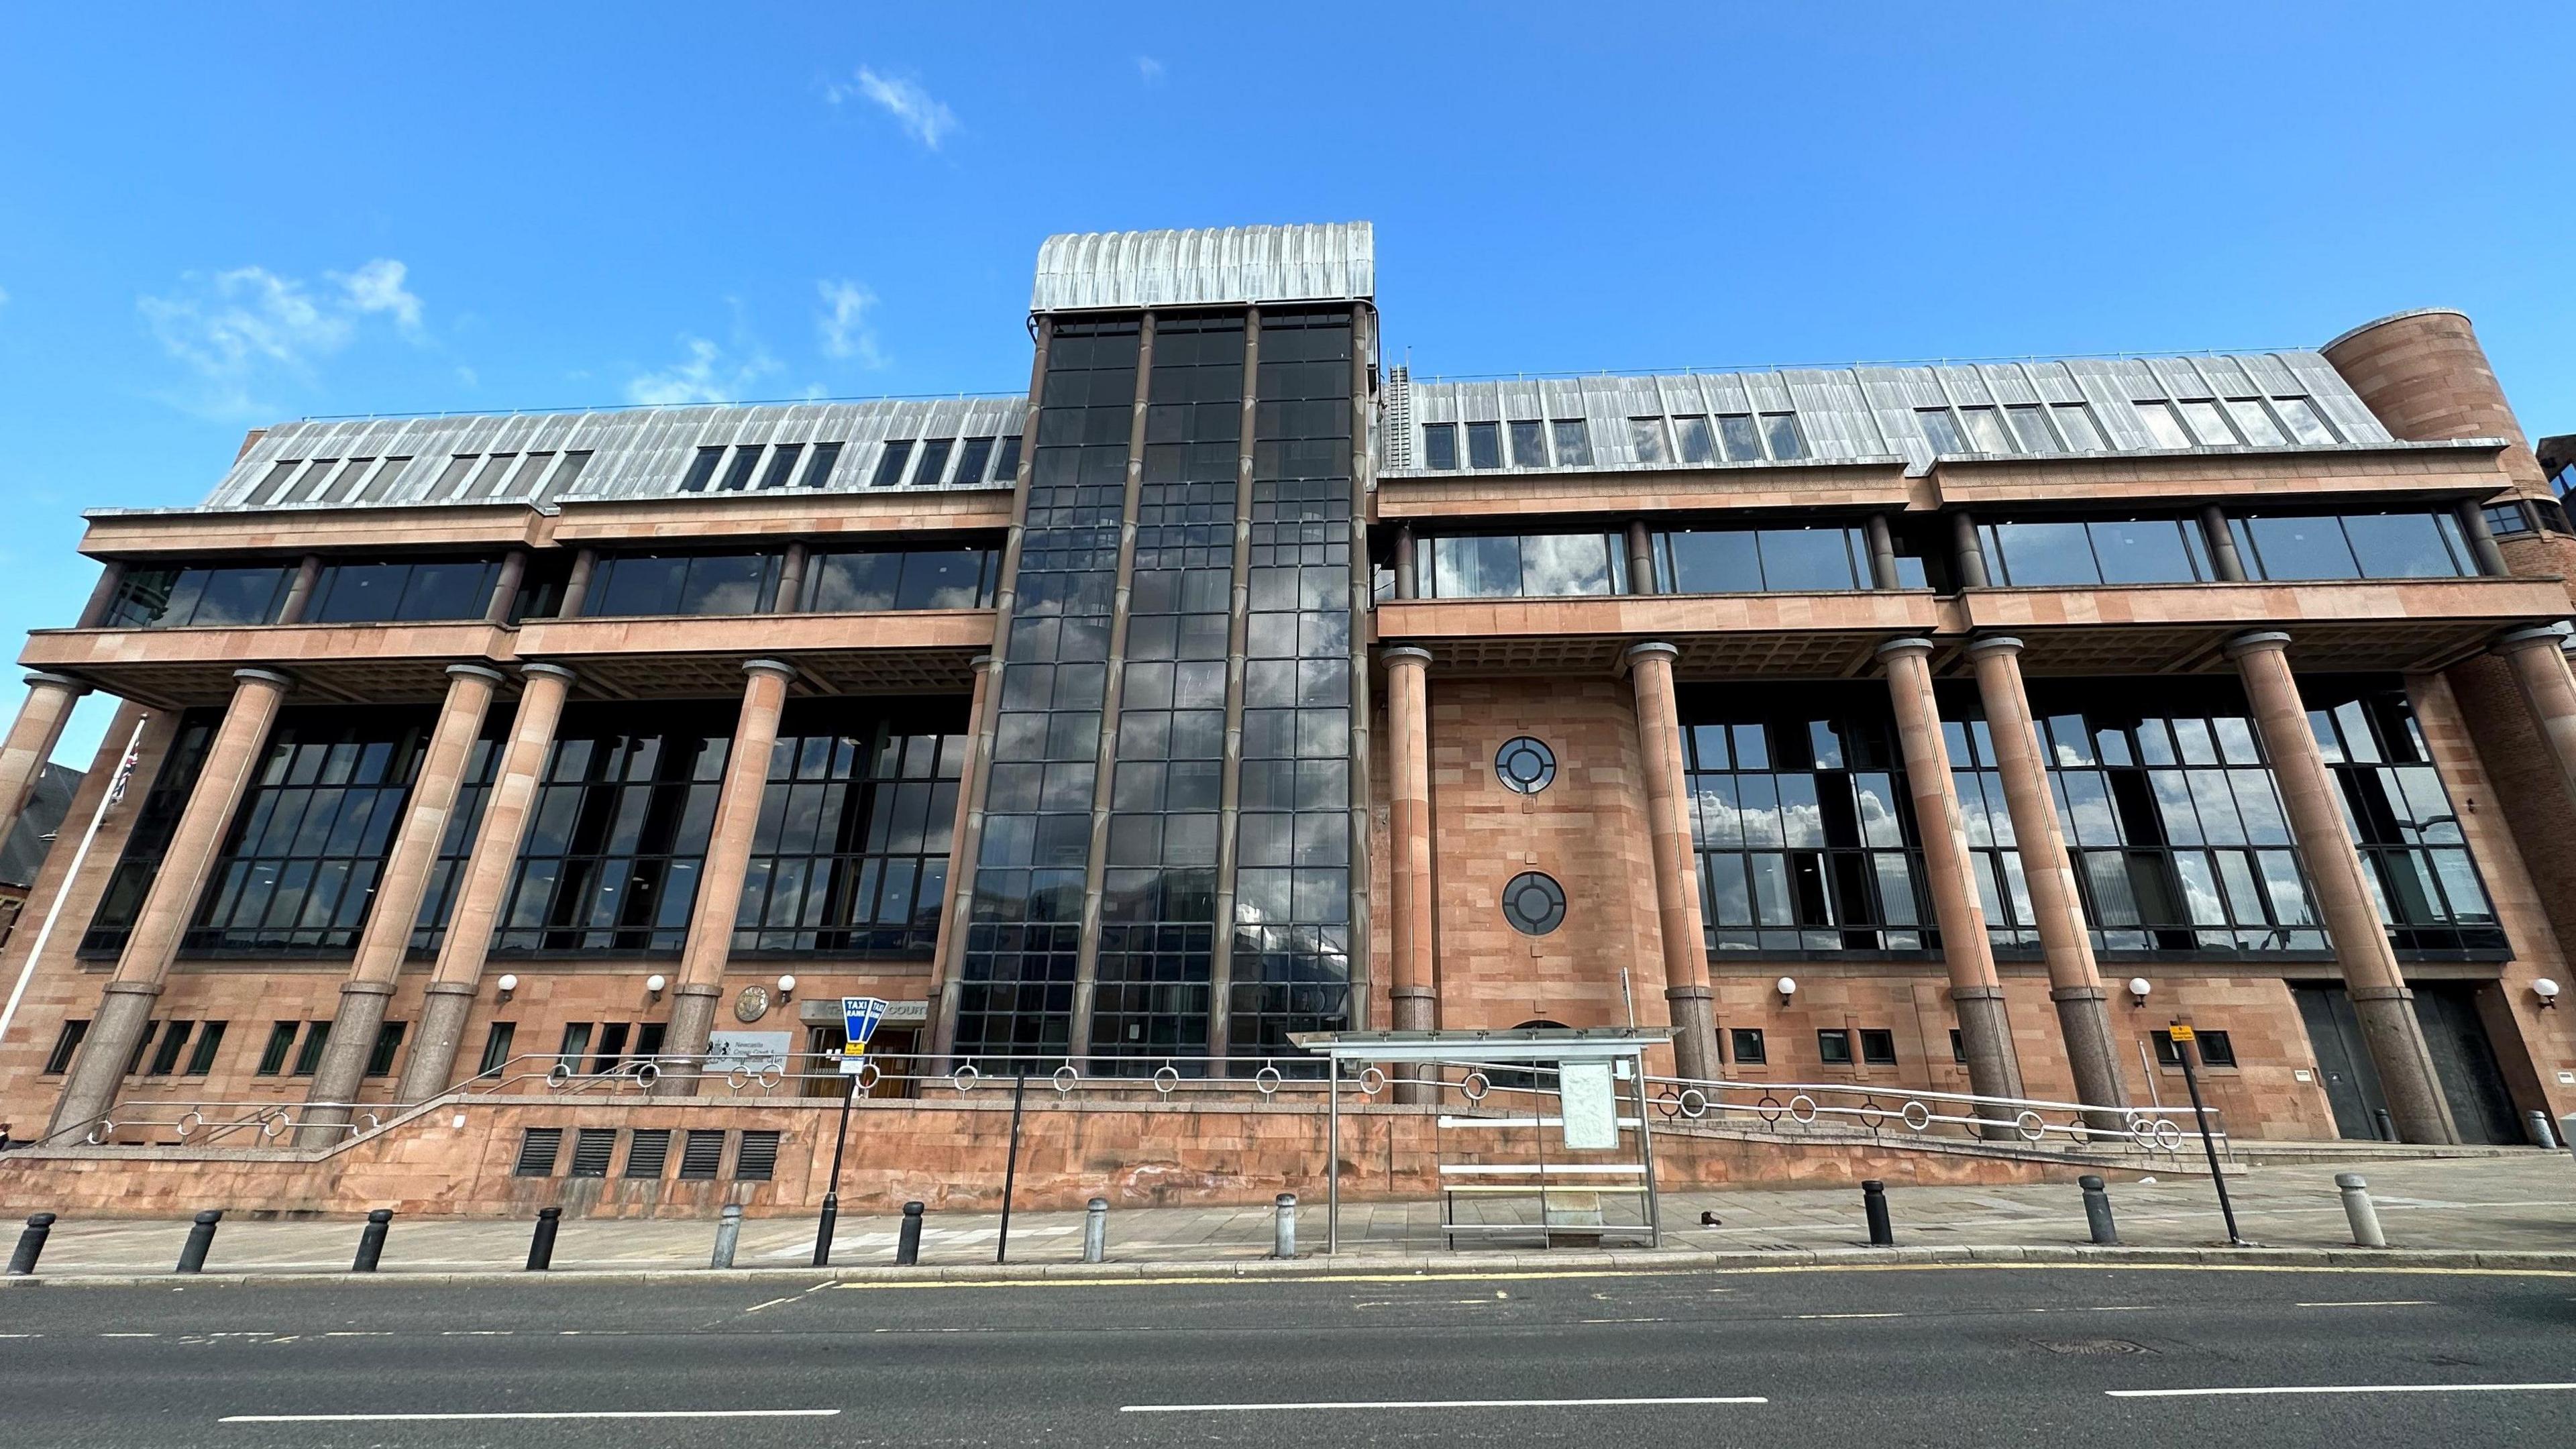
x: 2074, y: 981
x: 1685, y: 943
x: 125, y: 1007
x: 386, y: 941
x: 2380, y: 998
x: 711, y: 917
x: 1975, y: 991
x: 31, y: 741
x: 507, y: 811
x: 1411, y: 969
x: 2539, y: 661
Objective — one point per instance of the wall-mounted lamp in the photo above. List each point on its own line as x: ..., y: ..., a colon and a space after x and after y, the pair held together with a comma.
x: 653, y: 987
x: 786, y: 989
x: 1787, y: 986
x: 507, y: 984
x: 2139, y: 986
x: 2547, y: 991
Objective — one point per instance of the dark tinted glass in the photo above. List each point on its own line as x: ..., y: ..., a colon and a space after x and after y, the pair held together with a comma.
x: 1529, y: 445
x: 782, y: 464
x: 933, y: 468
x: 1713, y: 563
x: 891, y: 463
x: 2149, y: 551
x: 974, y: 460
x: 240, y: 596
x: 818, y: 473
x: 1440, y: 446
x: 728, y: 584
x: 1807, y: 558
x: 737, y: 474
x: 855, y: 582
x: 2300, y: 548
x: 2405, y: 545
x: 2034, y: 555
x: 1484, y: 445
x: 947, y: 579
x: 701, y: 468
x: 637, y: 584
x: 360, y: 593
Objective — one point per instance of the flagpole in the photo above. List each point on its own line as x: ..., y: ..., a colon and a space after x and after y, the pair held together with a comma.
x: 63, y: 889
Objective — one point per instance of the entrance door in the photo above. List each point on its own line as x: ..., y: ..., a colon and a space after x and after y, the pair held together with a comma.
x: 2465, y: 1062
x: 2343, y: 1060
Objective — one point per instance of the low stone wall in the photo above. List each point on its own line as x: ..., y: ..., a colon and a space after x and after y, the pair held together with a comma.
x: 459, y: 1159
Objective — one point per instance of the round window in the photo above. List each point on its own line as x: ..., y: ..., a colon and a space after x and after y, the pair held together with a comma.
x: 1525, y: 765
x: 1534, y: 903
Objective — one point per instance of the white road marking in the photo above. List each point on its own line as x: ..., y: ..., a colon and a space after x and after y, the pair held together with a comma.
x: 359, y: 1333
x: 1420, y: 1404
x: 129, y: 1335
x: 1850, y: 1315
x: 2375, y: 1303
x: 2342, y: 1389
x: 772, y: 1303
x: 576, y: 1414
x: 476, y: 1332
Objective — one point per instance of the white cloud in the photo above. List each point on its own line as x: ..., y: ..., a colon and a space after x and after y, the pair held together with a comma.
x: 4, y: 296
x: 708, y: 376
x: 922, y: 116
x: 469, y: 377
x: 1150, y: 69
x: 378, y: 287
x: 241, y: 328
x: 844, y: 322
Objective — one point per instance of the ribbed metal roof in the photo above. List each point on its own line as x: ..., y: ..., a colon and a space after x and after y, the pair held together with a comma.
x: 1242, y: 265
x: 1851, y: 414
x: 622, y: 453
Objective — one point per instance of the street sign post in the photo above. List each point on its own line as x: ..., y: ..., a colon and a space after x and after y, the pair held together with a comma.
x: 2183, y: 1040
x: 860, y: 1016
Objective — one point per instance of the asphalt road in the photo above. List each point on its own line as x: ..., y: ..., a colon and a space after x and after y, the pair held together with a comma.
x: 1782, y: 1357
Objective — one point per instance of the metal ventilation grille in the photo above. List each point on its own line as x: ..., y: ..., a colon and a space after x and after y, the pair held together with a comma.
x: 591, y: 1150
x: 758, y: 1160
x: 1397, y: 430
x: 648, y: 1152
x: 701, y: 1155
x: 537, y: 1152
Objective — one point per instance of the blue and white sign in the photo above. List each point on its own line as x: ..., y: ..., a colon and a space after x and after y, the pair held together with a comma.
x: 859, y: 1018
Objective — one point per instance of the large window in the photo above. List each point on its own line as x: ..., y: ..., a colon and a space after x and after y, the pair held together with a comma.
x: 2168, y: 809
x: 2426, y: 886
x: 851, y: 852
x: 683, y: 583
x: 1799, y: 813
x: 2353, y: 546
x: 1760, y: 560
x: 618, y: 832
x: 2101, y: 551
x: 172, y: 598
x: 946, y: 578
x: 299, y: 866
x: 378, y: 592
x: 1526, y: 566
x: 154, y: 824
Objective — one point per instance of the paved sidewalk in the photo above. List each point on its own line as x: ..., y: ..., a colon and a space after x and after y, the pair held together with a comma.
x: 2523, y: 1203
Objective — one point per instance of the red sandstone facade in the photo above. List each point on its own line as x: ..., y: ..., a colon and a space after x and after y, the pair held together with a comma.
x: 1928, y: 639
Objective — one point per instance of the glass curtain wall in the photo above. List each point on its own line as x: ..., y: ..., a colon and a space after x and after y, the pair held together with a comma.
x: 1024, y: 934
x: 2427, y: 887
x: 1804, y: 830
x: 1291, y: 963
x: 154, y: 823
x: 298, y: 868
x: 619, y: 832
x: 850, y: 855
x: 1158, y: 909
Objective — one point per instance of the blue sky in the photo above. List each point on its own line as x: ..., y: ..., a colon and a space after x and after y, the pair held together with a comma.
x: 214, y: 217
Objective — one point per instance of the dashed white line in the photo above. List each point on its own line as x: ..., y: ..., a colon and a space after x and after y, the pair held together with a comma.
x: 2374, y: 1303
x: 2341, y: 1389
x: 1423, y: 1404
x: 772, y: 1303
x: 1849, y: 1315
x: 575, y: 1414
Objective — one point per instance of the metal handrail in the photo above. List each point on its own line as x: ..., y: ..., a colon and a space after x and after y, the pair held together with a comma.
x: 1784, y: 1106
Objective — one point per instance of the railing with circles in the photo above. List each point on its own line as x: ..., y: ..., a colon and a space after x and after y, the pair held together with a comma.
x: 1786, y: 1106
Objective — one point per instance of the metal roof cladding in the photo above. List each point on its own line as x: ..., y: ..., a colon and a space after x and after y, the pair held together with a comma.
x: 1241, y: 265
x: 1850, y: 414
x: 622, y: 452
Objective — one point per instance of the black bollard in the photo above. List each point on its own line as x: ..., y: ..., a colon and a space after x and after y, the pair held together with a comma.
x: 541, y: 1248
x: 2387, y: 1124
x: 1873, y: 1202
x: 371, y: 1240
x: 31, y: 1245
x: 201, y: 1238
x: 2097, y: 1210
x: 907, y: 1245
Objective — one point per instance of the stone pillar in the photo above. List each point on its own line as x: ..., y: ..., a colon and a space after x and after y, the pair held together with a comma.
x: 2223, y: 556
x: 125, y: 1007
x: 2380, y: 998
x: 386, y: 942
x: 1971, y: 553
x: 1882, y: 554
x: 1976, y: 993
x: 102, y: 596
x: 1407, y: 584
x: 479, y: 898
x: 505, y: 587
x: 2473, y: 522
x: 299, y: 594
x: 576, y: 594
x: 2540, y: 671
x: 1685, y: 942
x: 791, y: 581
x: 2074, y: 980
x: 31, y: 741
x: 711, y: 918
x: 1412, y: 969
x: 1641, y: 559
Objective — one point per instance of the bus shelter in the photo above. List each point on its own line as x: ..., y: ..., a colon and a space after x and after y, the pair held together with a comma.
x: 1600, y: 1077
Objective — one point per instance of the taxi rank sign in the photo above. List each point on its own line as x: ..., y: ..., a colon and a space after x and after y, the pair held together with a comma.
x: 859, y: 1018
